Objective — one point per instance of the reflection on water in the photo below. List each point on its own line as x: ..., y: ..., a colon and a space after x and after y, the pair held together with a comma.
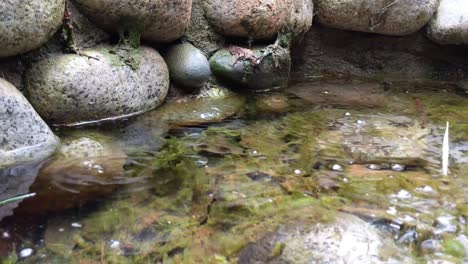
x: 317, y: 175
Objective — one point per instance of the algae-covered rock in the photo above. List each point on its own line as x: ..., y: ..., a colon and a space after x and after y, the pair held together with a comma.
x: 450, y: 24
x: 27, y: 24
x: 348, y: 239
x: 388, y: 17
x: 188, y: 66
x: 99, y: 83
x: 87, y: 166
x: 258, y: 69
x: 259, y: 19
x: 154, y: 20
x: 24, y: 137
x: 382, y: 138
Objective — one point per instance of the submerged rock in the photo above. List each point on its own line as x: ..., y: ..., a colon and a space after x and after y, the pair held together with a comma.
x: 188, y: 66
x: 26, y: 25
x: 382, y: 138
x: 100, y: 83
x: 450, y: 24
x: 348, y: 239
x: 24, y: 137
x: 386, y: 17
x: 258, y: 19
x: 158, y: 21
x: 258, y: 69
x: 87, y: 166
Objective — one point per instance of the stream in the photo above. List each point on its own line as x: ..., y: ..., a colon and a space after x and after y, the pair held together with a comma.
x: 323, y: 172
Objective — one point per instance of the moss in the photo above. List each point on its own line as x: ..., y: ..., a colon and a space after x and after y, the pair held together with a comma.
x: 454, y: 247
x: 278, y: 249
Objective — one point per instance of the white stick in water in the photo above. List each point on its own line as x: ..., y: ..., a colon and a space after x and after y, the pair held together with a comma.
x: 445, y: 151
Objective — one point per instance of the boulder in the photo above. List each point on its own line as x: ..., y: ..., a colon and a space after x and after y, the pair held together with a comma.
x: 24, y: 137
x: 258, y: 69
x: 258, y: 19
x: 388, y: 17
x: 99, y: 83
x: 27, y: 24
x: 188, y: 66
x: 155, y: 20
x: 450, y: 24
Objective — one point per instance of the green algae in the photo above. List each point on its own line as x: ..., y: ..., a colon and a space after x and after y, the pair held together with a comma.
x: 454, y: 247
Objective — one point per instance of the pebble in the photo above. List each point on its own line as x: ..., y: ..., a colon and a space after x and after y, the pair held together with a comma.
x: 398, y: 167
x: 374, y: 167
x: 337, y: 167
x: 25, y: 253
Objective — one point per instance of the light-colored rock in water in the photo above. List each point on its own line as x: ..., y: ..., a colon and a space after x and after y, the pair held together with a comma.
x: 388, y: 17
x: 348, y: 239
x: 24, y: 137
x: 69, y: 89
x: 258, y: 19
x: 188, y: 66
x: 156, y: 20
x: 450, y: 24
x: 87, y: 165
x: 27, y: 24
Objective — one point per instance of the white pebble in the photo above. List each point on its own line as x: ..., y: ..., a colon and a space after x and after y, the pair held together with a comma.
x: 27, y: 252
x: 398, y: 167
x: 297, y: 171
x: 374, y: 167
x: 114, y: 244
x: 76, y: 225
x: 337, y: 167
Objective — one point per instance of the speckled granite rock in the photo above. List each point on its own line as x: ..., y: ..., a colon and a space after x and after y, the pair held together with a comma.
x: 27, y: 24
x: 24, y: 137
x: 258, y: 19
x: 67, y: 89
x: 388, y: 17
x: 159, y: 20
x: 450, y: 24
x: 188, y: 66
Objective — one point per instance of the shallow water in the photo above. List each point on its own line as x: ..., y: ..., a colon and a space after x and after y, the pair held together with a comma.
x: 323, y: 173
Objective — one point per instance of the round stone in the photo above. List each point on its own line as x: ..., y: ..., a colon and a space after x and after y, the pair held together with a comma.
x: 156, y: 20
x: 262, y: 19
x: 188, y: 66
x: 388, y: 17
x: 27, y: 24
x: 98, y: 84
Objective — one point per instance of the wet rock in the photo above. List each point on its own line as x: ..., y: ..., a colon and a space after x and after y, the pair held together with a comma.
x: 158, y: 21
x: 258, y: 19
x: 24, y: 137
x: 100, y: 83
x: 379, y: 139
x: 15, y: 182
x: 28, y: 24
x: 87, y: 166
x: 188, y: 66
x: 388, y: 17
x: 348, y: 239
x: 210, y: 108
x: 450, y: 24
x: 258, y: 69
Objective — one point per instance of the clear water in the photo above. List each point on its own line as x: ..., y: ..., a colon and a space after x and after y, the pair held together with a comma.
x: 321, y: 173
